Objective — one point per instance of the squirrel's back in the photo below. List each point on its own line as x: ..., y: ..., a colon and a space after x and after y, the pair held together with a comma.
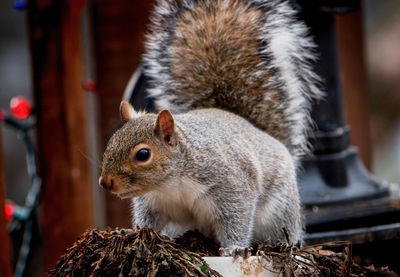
x: 250, y: 57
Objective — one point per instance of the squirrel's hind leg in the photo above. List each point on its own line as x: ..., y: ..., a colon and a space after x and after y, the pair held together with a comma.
x: 278, y: 218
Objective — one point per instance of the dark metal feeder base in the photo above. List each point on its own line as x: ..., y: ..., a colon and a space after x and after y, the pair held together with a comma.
x: 336, y: 178
x: 360, y: 221
x: 343, y: 201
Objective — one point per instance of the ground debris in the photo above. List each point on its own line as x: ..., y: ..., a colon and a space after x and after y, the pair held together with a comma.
x: 144, y: 252
x: 198, y: 243
x: 333, y: 259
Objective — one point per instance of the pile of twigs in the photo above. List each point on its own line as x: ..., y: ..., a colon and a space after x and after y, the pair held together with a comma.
x: 140, y: 253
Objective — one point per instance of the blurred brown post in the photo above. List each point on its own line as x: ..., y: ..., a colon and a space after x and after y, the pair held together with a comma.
x: 352, y: 65
x: 118, y: 29
x: 67, y: 204
x: 5, y: 251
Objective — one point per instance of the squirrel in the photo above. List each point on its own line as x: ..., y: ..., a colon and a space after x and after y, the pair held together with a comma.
x: 233, y: 83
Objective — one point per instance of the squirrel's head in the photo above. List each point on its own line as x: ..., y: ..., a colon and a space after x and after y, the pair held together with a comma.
x: 138, y: 155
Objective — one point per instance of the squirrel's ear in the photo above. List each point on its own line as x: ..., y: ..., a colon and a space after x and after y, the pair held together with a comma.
x: 165, y: 127
x: 126, y: 111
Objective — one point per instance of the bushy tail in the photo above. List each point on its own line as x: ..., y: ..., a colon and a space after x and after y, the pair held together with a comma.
x: 252, y: 58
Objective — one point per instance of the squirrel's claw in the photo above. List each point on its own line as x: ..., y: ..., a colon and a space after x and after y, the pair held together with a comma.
x: 247, y: 252
x: 237, y: 252
x: 223, y: 252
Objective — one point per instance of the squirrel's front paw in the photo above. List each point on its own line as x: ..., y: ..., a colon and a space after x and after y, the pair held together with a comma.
x: 235, y: 252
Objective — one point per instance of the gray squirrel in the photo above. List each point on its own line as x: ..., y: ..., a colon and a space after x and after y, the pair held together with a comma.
x: 233, y: 82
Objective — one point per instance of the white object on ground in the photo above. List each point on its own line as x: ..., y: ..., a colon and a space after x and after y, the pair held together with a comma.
x: 228, y: 267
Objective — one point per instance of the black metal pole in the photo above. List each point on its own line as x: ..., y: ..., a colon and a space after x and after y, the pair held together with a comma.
x: 335, y: 172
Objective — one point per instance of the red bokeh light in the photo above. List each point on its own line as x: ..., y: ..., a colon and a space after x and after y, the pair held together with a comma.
x: 2, y: 114
x: 20, y: 107
x: 9, y: 211
x: 90, y: 85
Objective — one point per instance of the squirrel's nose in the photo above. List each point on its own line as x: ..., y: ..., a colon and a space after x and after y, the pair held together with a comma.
x: 106, y: 182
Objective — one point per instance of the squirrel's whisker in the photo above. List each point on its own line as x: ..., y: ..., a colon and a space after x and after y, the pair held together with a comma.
x: 93, y: 161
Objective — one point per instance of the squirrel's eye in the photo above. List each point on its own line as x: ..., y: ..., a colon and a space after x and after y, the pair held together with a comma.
x: 143, y: 155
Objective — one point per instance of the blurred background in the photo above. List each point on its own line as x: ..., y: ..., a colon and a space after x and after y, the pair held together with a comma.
x: 111, y: 37
x: 382, y: 37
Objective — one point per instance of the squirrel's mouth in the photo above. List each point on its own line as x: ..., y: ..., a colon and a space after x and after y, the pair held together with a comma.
x: 130, y: 193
